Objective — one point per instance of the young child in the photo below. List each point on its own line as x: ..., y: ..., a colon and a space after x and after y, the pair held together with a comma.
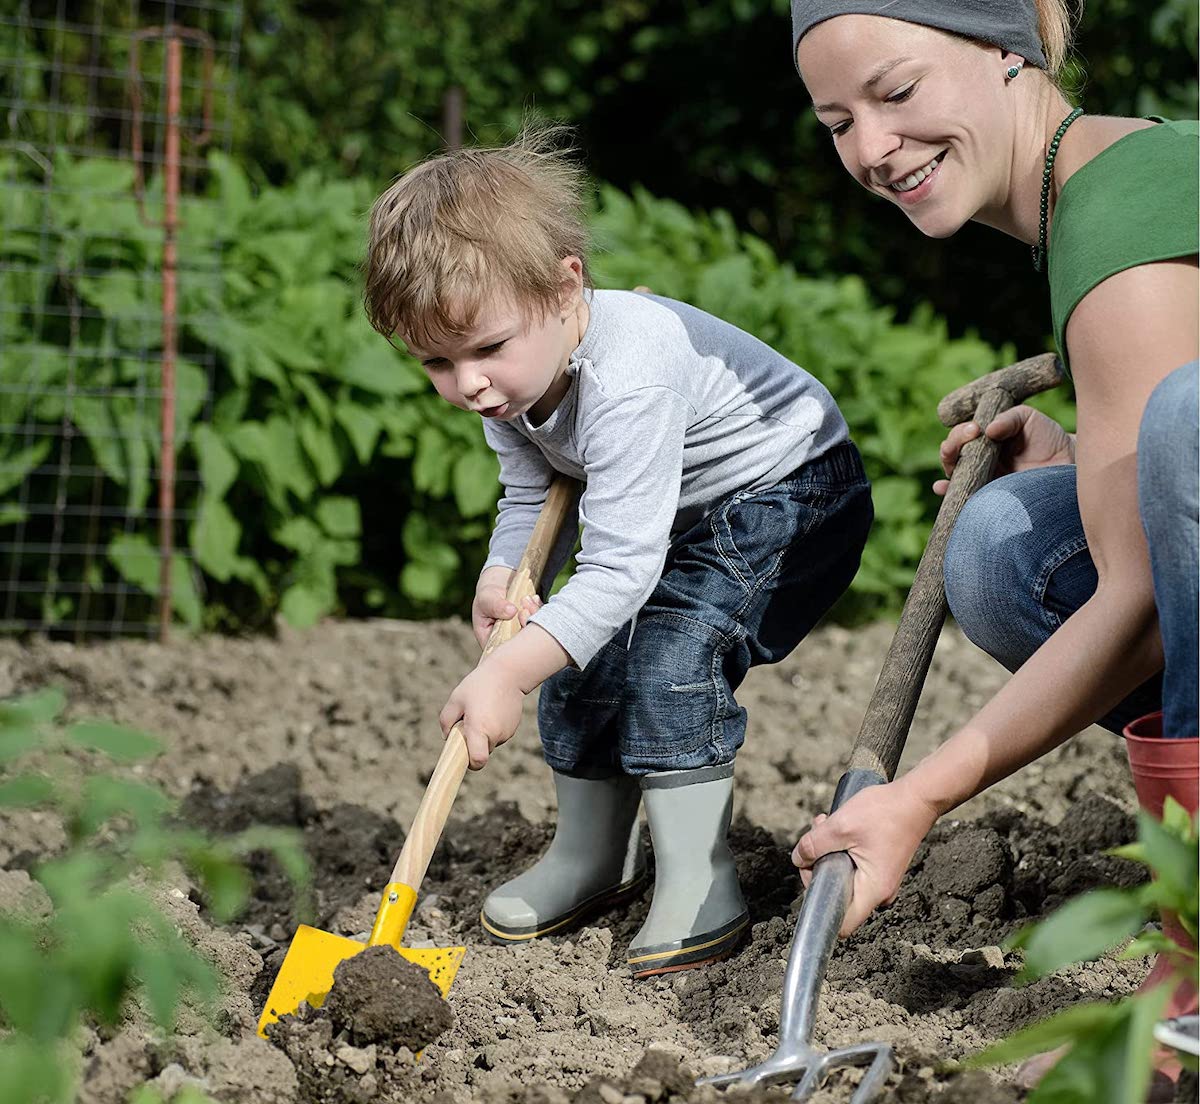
x: 724, y: 511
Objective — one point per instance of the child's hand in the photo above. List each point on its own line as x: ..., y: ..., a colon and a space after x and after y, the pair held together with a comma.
x: 489, y: 707
x: 491, y: 603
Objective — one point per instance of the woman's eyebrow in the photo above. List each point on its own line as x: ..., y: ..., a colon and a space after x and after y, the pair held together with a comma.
x: 873, y: 78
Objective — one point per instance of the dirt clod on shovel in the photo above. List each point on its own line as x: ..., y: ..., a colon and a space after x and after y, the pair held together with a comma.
x: 362, y: 1042
x: 378, y: 996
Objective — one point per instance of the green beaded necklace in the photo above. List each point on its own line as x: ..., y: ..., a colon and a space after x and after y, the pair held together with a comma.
x: 1039, y: 250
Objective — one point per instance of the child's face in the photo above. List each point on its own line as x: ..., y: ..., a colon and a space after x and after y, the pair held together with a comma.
x: 902, y: 99
x: 507, y: 364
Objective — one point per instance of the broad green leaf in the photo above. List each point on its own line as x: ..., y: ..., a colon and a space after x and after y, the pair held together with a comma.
x: 34, y: 1070
x: 433, y: 463
x: 126, y: 745
x: 232, y: 184
x: 373, y: 365
x: 104, y: 796
x: 215, y: 537
x: 1173, y: 860
x: 339, y: 516
x: 218, y: 465
x: 226, y: 884
x: 1111, y: 1065
x: 37, y: 708
x: 17, y: 464
x: 25, y: 791
x: 301, y: 534
x: 15, y: 740
x: 423, y: 581
x: 139, y: 563
x: 476, y: 482
x: 303, y: 605
x: 321, y: 448
x: 1079, y: 1020
x: 361, y: 426
x: 1081, y: 930
x: 1177, y: 820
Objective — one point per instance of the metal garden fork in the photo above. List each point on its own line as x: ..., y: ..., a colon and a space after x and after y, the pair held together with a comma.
x: 877, y: 751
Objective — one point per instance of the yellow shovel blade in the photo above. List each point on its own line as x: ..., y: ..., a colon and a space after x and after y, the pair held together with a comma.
x: 307, y: 970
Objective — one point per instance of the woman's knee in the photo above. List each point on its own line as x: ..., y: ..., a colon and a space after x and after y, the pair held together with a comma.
x: 995, y: 560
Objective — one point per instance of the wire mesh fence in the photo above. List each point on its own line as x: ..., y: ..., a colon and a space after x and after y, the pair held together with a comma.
x: 109, y: 109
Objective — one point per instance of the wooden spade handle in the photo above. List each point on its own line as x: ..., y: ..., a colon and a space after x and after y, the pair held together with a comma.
x: 890, y: 712
x: 451, y: 766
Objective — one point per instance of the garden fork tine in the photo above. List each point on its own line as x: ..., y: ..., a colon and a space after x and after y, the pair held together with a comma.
x: 877, y: 751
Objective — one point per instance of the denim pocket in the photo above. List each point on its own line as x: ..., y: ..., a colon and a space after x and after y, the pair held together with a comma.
x: 754, y: 531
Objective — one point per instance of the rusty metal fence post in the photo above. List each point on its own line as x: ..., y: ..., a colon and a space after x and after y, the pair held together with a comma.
x: 174, y: 36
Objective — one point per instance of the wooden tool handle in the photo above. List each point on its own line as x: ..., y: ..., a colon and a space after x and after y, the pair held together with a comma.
x: 451, y: 766
x: 1021, y: 380
x: 890, y: 712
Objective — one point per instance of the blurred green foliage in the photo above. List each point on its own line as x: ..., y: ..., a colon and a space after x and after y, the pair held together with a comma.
x: 93, y: 939
x: 699, y: 103
x: 332, y: 478
x: 314, y: 418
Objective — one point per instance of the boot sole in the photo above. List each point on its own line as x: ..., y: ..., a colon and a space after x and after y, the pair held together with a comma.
x: 688, y: 954
x: 599, y: 902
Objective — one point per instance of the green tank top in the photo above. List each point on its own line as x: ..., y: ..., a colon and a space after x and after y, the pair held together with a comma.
x: 1133, y: 203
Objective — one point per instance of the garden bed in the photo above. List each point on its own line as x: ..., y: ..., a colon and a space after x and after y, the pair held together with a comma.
x: 333, y: 731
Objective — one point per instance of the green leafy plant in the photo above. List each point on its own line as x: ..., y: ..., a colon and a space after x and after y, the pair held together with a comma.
x: 322, y: 473
x: 309, y: 417
x: 97, y: 940
x: 1110, y: 1044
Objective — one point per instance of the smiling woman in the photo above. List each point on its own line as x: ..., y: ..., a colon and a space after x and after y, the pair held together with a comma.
x: 1078, y: 568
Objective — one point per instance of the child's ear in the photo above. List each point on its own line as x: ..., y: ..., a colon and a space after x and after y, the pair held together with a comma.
x: 572, y: 284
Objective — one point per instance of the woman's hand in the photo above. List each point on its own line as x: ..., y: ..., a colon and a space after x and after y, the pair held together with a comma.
x: 1030, y: 440
x: 881, y: 827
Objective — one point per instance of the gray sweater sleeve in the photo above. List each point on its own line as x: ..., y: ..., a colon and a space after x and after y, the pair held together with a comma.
x: 525, y: 476
x: 633, y: 458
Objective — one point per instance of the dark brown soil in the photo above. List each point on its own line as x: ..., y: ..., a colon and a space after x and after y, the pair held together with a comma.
x: 333, y: 732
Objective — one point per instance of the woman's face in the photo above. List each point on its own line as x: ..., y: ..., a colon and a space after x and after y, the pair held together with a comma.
x: 918, y: 116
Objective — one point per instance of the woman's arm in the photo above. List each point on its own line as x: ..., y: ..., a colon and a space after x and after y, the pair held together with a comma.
x: 1127, y: 335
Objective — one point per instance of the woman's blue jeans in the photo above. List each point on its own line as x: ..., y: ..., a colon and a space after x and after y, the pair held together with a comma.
x: 1018, y: 565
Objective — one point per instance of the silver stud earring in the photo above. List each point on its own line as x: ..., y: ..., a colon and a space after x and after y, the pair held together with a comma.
x: 1012, y: 71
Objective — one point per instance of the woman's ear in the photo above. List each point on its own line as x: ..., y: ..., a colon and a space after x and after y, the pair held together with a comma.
x: 1013, y: 64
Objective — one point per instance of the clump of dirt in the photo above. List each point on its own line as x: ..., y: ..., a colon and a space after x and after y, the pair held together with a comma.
x: 381, y: 1012
x: 378, y: 996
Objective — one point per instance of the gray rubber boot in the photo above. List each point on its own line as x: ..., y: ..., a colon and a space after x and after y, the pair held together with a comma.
x: 698, y: 914
x: 594, y: 862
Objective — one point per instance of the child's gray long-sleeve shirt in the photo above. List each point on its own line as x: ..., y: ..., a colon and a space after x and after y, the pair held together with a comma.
x: 670, y: 411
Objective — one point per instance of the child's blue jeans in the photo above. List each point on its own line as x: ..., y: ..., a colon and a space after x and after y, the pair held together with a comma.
x: 1018, y: 565
x: 742, y: 587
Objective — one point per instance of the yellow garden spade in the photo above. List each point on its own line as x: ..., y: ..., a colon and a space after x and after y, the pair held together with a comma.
x: 307, y: 970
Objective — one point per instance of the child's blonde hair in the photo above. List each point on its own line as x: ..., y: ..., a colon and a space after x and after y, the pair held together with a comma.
x: 474, y: 226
